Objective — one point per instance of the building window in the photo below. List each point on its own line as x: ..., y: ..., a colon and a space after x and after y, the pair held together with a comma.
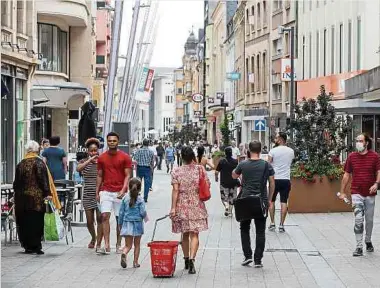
x: 258, y: 73
x: 358, y: 44
x: 252, y: 19
x: 247, y: 74
x: 277, y: 5
x: 265, y: 13
x: 52, y: 44
x: 340, y: 48
x: 247, y: 30
x: 332, y: 50
x: 277, y: 46
x: 20, y: 17
x: 253, y: 73
x: 277, y: 91
x: 303, y: 57
x: 324, y: 51
x: 258, y: 16
x: 349, y: 38
x: 310, y: 5
x: 179, y: 91
x: 310, y: 58
x: 168, y: 99
x: 100, y: 59
x: 317, y: 56
x: 264, y: 70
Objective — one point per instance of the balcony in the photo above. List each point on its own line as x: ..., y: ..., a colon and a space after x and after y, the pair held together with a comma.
x: 366, y: 86
x: 73, y: 12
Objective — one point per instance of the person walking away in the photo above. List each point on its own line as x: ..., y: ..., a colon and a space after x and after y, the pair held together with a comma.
x: 281, y: 157
x: 235, y: 150
x: 160, y: 155
x: 188, y: 212
x: 169, y: 153
x: 44, y: 144
x: 201, y: 158
x: 265, y: 150
x: 88, y: 168
x: 31, y: 188
x: 131, y: 225
x: 364, y: 167
x: 178, y: 152
x: 214, y: 149
x: 228, y: 185
x: 154, y: 164
x: 114, y: 170
x: 56, y: 159
x: 145, y: 158
x: 255, y: 174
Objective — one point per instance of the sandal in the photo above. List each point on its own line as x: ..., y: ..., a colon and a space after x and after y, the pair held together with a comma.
x: 100, y: 250
x: 91, y: 245
x: 107, y: 251
x: 123, y: 261
x: 136, y: 265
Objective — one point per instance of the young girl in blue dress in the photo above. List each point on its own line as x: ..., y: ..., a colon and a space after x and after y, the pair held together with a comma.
x: 131, y: 216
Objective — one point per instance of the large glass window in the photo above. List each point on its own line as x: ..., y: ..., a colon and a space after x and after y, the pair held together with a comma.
x: 52, y: 44
x: 377, y: 134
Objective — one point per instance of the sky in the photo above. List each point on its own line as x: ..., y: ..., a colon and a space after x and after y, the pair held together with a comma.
x: 176, y: 18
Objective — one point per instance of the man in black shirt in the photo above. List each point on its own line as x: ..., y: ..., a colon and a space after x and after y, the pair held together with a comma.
x: 160, y: 154
x: 255, y: 173
x: 228, y: 185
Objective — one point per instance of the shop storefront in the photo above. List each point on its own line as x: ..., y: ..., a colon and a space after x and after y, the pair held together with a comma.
x: 369, y: 124
x: 13, y: 118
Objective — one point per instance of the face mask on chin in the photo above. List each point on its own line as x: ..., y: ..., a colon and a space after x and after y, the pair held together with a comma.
x: 360, y: 147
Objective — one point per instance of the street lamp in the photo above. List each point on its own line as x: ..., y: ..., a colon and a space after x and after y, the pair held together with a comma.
x: 281, y: 30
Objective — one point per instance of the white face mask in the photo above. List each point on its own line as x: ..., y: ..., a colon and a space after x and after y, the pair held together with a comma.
x: 360, y: 147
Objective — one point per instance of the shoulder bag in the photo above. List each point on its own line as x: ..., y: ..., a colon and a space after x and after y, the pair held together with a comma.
x: 204, y: 187
x: 252, y: 206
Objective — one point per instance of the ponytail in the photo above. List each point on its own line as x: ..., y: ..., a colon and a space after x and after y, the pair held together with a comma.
x: 134, y: 190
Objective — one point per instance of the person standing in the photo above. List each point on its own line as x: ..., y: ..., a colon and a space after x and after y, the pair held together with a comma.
x: 188, y: 213
x: 235, y: 150
x: 255, y: 174
x: 55, y: 158
x: 169, y: 153
x: 364, y: 167
x: 160, y: 155
x: 31, y: 187
x: 88, y: 168
x: 281, y: 157
x: 228, y: 185
x: 178, y: 152
x: 145, y: 159
x: 114, y: 170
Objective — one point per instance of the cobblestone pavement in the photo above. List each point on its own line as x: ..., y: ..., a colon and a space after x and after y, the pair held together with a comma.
x: 314, y: 252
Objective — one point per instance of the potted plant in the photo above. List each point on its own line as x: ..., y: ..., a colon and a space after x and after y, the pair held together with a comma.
x: 216, y: 157
x: 319, y: 141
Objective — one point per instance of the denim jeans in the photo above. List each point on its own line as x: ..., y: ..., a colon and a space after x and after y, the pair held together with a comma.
x: 145, y: 172
x: 245, y: 227
x: 159, y: 162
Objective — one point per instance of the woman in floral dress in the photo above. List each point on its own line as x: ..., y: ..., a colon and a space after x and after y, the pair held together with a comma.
x: 188, y: 212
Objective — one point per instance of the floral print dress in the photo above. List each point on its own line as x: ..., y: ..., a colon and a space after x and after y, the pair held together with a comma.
x: 191, y: 214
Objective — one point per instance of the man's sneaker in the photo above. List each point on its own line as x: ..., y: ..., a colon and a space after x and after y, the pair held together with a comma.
x: 358, y: 252
x: 246, y: 262
x: 369, y: 247
x: 226, y: 213
x: 258, y: 264
x: 281, y: 229
x: 272, y: 227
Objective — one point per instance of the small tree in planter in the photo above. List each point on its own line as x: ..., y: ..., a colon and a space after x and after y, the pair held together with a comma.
x: 319, y: 139
x: 226, y: 133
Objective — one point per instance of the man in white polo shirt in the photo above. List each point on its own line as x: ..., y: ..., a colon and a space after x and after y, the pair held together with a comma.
x: 281, y: 158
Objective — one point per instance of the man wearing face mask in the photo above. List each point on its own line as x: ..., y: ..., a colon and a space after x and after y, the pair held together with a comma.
x: 364, y: 167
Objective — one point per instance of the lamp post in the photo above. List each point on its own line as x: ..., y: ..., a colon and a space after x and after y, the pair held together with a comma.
x: 281, y: 30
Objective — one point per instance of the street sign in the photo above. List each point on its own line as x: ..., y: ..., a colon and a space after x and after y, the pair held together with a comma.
x: 219, y: 95
x: 203, y: 119
x: 197, y: 97
x: 230, y: 117
x: 260, y: 125
x: 211, y: 100
x: 233, y: 76
x: 197, y: 114
x: 231, y: 125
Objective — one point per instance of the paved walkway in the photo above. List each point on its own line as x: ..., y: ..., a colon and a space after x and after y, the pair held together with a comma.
x: 314, y: 252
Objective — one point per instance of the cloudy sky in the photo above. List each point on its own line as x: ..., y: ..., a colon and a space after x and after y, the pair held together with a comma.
x: 176, y: 20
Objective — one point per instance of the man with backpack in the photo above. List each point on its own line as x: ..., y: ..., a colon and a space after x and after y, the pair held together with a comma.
x: 255, y: 174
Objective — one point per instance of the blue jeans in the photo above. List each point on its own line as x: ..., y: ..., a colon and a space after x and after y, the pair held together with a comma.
x: 144, y: 172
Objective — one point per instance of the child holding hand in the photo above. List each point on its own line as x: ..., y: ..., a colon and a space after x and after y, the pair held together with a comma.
x: 131, y: 216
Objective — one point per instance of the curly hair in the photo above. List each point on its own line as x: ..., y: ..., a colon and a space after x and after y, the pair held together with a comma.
x: 187, y: 154
x: 92, y: 141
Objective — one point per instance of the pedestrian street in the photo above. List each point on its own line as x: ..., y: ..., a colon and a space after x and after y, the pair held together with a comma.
x: 315, y: 251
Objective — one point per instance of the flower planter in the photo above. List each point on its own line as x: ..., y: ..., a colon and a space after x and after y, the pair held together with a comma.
x: 318, y: 197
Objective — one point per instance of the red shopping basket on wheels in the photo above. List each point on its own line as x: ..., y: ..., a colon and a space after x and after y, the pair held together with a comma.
x: 163, y: 255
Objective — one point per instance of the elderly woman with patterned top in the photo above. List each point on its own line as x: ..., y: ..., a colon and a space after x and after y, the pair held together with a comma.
x: 31, y: 188
x: 88, y: 168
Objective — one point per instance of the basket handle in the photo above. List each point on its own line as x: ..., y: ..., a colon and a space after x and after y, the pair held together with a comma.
x: 155, y: 225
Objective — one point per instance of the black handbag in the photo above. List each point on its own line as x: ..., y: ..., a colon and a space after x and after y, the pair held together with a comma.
x: 252, y: 206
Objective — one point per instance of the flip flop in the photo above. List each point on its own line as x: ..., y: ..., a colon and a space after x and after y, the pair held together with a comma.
x: 91, y: 245
x: 136, y: 265
x: 123, y: 260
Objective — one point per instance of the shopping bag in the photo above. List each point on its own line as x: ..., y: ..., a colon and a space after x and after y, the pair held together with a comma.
x: 53, y: 226
x: 204, y: 187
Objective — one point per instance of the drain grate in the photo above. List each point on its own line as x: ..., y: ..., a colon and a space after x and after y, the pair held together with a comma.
x: 292, y: 250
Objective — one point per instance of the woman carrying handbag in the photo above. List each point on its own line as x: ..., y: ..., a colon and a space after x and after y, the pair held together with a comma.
x: 252, y: 202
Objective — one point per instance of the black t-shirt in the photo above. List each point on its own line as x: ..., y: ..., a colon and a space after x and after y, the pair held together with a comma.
x: 160, y: 150
x: 225, y: 167
x: 252, y: 172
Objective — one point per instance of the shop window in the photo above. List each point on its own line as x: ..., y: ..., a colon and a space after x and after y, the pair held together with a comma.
x: 368, y: 124
x: 377, y: 134
x: 52, y: 44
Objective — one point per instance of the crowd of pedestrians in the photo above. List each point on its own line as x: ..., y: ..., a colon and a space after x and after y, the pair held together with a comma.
x: 109, y: 187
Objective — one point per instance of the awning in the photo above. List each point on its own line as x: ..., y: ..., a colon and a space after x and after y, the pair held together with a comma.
x: 356, y: 106
x: 58, y: 95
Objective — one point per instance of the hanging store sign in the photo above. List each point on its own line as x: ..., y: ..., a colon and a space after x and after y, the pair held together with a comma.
x: 145, y: 85
x: 211, y: 100
x: 286, y: 70
x: 219, y: 95
x: 197, y: 114
x: 230, y: 117
x: 197, y: 97
x: 251, y: 78
x: 233, y: 76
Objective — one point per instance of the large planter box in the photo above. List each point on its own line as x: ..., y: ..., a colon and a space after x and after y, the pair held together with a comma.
x: 319, y: 197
